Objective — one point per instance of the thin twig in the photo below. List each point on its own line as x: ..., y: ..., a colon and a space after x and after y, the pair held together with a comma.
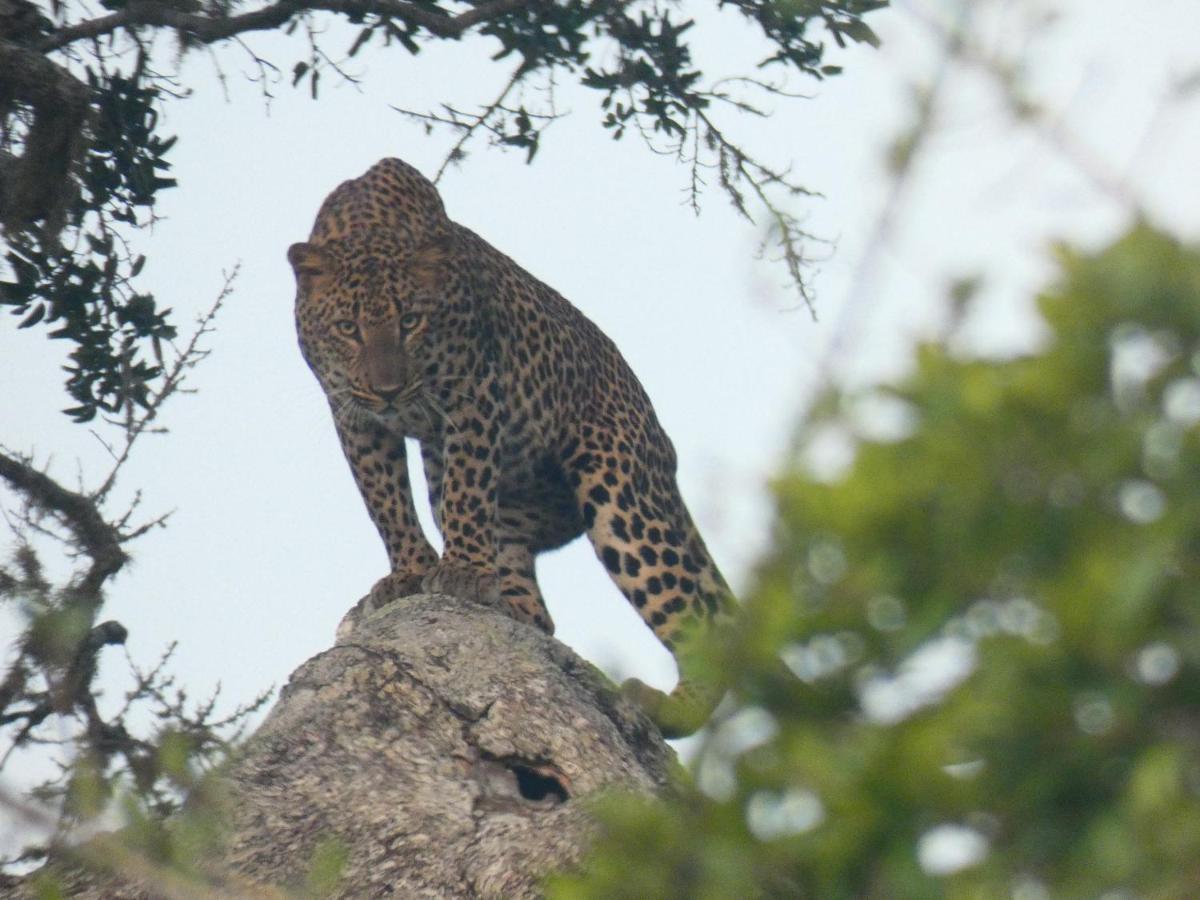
x: 467, y: 126
x: 137, y: 423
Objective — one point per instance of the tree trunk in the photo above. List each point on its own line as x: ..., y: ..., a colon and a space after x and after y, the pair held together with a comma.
x: 441, y: 749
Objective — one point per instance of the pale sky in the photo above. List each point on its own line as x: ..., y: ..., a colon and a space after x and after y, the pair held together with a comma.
x: 270, y: 543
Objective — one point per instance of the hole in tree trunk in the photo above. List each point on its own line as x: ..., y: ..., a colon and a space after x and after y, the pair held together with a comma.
x: 538, y: 784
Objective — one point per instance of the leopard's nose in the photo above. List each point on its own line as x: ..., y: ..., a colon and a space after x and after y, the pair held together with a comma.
x: 387, y: 395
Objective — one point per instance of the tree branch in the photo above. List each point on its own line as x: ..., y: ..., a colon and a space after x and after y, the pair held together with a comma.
x: 35, y: 185
x: 208, y: 29
x: 98, y: 539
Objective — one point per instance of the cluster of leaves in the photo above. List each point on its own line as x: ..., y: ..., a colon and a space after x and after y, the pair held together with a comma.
x: 652, y: 79
x: 655, y: 83
x: 990, y: 630
x: 81, y: 281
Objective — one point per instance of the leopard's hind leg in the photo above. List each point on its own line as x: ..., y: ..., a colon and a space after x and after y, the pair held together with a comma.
x: 642, y: 532
x: 519, y: 589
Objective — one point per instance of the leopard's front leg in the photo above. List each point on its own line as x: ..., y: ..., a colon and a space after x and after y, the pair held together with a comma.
x: 379, y: 465
x: 467, y: 504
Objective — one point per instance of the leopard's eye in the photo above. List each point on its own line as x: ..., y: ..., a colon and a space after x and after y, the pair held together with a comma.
x: 409, y: 321
x: 346, y: 327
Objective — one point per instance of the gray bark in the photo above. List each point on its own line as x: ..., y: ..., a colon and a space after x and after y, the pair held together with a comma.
x: 448, y: 750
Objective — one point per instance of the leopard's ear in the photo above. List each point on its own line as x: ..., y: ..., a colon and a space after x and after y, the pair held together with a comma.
x: 429, y: 264
x: 309, y: 259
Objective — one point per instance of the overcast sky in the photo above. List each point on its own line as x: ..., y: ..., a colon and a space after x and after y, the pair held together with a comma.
x: 270, y: 544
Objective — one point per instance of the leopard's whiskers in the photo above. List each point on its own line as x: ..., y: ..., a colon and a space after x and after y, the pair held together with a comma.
x: 433, y: 405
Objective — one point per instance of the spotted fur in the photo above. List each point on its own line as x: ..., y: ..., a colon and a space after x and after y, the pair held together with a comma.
x: 533, y: 429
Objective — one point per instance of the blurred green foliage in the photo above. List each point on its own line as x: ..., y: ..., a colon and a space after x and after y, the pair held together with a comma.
x: 990, y: 625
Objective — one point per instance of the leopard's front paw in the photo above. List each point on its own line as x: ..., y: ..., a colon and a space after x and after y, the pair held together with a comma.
x: 388, y: 588
x: 463, y: 580
x: 391, y: 587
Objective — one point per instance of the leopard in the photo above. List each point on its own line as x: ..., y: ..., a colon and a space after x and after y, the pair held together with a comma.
x: 532, y: 427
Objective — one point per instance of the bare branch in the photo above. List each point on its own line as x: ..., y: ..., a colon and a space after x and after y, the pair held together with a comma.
x: 737, y: 173
x: 469, y: 124
x: 962, y: 47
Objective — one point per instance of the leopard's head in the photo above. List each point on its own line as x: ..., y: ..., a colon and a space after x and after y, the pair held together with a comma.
x: 365, y: 309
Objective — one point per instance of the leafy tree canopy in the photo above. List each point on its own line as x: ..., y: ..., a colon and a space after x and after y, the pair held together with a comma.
x: 82, y: 158
x: 990, y: 630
